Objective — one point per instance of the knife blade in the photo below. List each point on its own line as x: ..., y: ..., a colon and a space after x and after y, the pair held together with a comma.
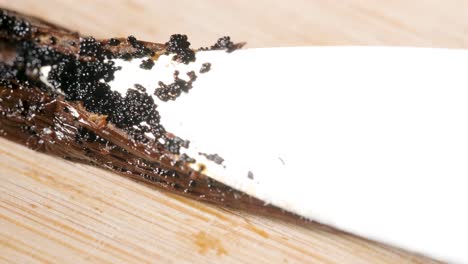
x: 370, y: 140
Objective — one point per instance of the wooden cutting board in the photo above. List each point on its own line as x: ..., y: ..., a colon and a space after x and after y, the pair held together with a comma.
x: 52, y: 210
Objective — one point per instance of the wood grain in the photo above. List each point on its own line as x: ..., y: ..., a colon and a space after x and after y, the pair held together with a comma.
x: 52, y: 210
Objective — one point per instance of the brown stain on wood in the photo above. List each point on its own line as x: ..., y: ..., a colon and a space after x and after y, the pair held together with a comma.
x: 33, y: 175
x: 206, y: 242
x: 257, y: 230
x: 200, y: 207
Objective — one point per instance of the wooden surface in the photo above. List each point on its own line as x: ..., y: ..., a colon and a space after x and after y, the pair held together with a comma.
x: 52, y: 210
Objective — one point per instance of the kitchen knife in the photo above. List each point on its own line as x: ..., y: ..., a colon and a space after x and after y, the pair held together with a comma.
x: 370, y: 140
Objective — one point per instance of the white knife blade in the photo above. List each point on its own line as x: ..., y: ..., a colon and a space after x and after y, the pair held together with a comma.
x: 370, y: 140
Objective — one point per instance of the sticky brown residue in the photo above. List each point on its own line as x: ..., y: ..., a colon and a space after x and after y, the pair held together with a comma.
x: 206, y: 242
x: 201, y: 168
x: 77, y: 116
